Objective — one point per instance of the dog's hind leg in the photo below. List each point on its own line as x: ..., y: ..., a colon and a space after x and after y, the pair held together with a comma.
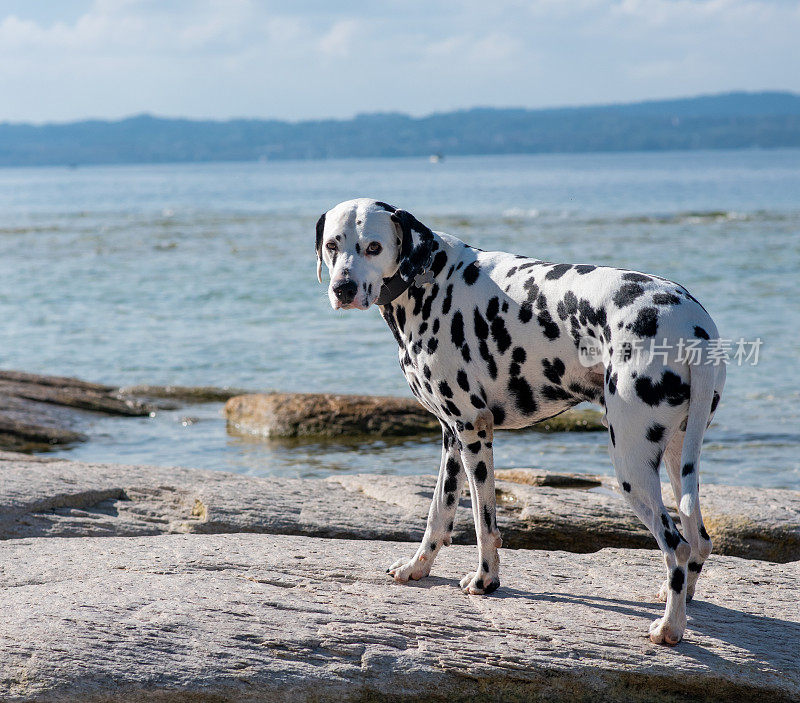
x: 636, y: 446
x: 478, y: 460
x: 691, y: 525
x: 441, y: 515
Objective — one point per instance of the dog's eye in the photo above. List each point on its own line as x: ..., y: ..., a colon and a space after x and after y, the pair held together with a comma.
x: 374, y: 249
x: 331, y: 246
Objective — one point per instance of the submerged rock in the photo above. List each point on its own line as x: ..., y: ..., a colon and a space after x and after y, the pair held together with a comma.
x: 327, y: 415
x: 243, y: 617
x: 315, y: 415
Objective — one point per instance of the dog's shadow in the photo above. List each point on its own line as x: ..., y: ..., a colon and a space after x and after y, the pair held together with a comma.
x: 741, y: 629
x: 738, y: 628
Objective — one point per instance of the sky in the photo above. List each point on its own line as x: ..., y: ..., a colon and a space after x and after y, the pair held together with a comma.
x: 311, y: 59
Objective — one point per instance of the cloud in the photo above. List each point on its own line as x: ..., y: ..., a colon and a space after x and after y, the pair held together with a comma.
x: 312, y: 59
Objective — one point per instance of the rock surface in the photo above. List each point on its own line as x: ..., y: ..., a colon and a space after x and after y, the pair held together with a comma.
x: 328, y: 415
x: 263, y: 618
x: 54, y: 498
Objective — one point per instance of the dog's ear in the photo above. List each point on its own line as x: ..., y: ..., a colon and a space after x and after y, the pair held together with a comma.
x: 320, y: 230
x: 416, y: 241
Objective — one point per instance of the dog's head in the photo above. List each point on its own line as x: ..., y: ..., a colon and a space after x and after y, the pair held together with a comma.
x: 367, y: 244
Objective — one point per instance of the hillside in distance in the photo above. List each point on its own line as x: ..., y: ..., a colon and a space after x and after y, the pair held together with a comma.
x: 727, y: 121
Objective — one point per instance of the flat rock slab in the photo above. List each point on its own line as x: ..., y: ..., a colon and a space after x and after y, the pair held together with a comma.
x: 542, y: 510
x: 314, y: 415
x: 262, y: 618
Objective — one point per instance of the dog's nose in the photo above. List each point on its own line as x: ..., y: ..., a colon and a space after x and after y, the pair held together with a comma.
x: 345, y: 291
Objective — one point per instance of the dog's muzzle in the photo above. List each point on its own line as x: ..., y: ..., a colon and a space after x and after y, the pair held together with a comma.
x: 345, y: 291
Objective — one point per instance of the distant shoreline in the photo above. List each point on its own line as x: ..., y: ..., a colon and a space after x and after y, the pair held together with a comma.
x: 767, y: 120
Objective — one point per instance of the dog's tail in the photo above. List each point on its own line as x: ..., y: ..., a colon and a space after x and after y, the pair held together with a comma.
x: 702, y: 377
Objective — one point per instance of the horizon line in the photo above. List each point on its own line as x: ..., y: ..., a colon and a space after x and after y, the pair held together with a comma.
x: 554, y: 108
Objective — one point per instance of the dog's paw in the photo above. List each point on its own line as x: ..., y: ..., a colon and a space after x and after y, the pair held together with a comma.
x: 476, y: 586
x: 663, y: 632
x: 413, y: 569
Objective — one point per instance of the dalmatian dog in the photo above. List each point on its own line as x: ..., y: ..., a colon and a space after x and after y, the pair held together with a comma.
x: 489, y: 340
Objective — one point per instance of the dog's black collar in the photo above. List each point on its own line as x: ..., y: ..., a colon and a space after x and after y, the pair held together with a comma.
x: 396, y: 285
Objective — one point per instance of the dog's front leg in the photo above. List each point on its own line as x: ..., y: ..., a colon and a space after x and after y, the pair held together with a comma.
x: 440, y: 516
x: 477, y: 458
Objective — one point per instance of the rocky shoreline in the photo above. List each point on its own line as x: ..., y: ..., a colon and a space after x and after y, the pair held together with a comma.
x: 187, y: 585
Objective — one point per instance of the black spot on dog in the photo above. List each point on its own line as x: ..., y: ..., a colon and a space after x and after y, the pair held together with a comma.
x: 525, y: 312
x: 463, y: 380
x: 646, y: 323
x: 474, y: 447
x: 452, y: 467
x: 481, y: 327
x: 476, y: 401
x: 450, y: 484
x: 452, y: 408
x: 491, y: 365
x: 636, y: 277
x: 435, y: 328
x: 687, y: 469
x: 511, y: 272
x: 471, y: 273
x: 611, y: 434
x: 426, y: 371
x: 498, y: 415
x: 432, y: 344
x: 672, y: 539
x: 523, y: 395
x: 583, y: 269
x: 700, y: 333
x: 703, y: 532
x: 568, y: 306
x: 670, y: 388
x: 457, y: 329
x: 655, y: 433
x: 448, y: 299
x: 465, y: 353
x: 557, y: 271
x: 500, y: 334
x: 480, y: 472
x: 400, y: 316
x: 666, y: 299
x: 611, y: 383
x: 554, y: 393
x: 714, y: 401
x: 445, y: 390
x: 553, y: 371
x: 433, y: 546
x: 426, y: 307
x: 423, y: 328
x: 493, y: 308
x: 439, y: 262
x: 487, y: 517
x: 627, y: 294
x: 450, y: 526
x: 695, y: 567
x: 676, y: 582
x: 518, y: 355
x: 485, y: 566
x: 549, y: 327
x: 482, y: 434
x: 626, y: 486
x: 450, y: 500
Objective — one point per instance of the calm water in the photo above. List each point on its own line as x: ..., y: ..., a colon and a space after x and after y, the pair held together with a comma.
x: 204, y: 275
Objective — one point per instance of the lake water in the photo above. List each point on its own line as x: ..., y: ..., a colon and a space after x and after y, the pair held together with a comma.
x: 203, y: 274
